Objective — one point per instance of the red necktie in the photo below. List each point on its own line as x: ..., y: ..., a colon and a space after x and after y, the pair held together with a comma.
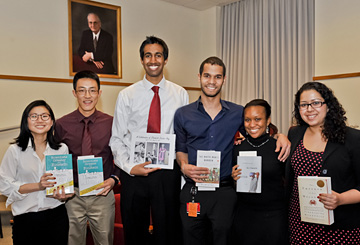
x: 154, y: 121
x: 86, y: 148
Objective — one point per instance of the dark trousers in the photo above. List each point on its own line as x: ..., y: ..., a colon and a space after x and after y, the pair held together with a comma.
x: 158, y: 192
x: 260, y: 227
x: 45, y: 227
x: 215, y: 218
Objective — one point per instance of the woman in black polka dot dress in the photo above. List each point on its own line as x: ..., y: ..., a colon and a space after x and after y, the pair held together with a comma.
x: 322, y: 145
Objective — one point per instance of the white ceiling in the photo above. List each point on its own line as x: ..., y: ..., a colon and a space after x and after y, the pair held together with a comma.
x: 200, y: 4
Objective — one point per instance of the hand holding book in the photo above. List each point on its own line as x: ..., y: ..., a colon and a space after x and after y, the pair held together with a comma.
x: 236, y: 172
x: 330, y: 200
x: 44, y: 181
x: 106, y: 187
x: 59, y: 194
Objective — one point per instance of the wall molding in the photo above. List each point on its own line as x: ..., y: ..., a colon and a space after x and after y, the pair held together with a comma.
x: 9, y: 128
x: 64, y: 80
x: 337, y: 76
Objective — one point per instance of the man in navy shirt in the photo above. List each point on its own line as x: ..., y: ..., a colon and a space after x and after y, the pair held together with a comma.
x: 209, y: 124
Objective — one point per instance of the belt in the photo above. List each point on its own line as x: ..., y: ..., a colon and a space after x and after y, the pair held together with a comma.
x: 227, y: 182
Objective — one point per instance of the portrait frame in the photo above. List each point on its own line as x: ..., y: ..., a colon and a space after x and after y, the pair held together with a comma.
x: 79, y: 31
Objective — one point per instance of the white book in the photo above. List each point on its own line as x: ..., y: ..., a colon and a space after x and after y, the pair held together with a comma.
x: 210, y: 160
x: 251, y: 175
x: 311, y: 209
x: 158, y: 149
x: 91, y: 176
x: 60, y: 166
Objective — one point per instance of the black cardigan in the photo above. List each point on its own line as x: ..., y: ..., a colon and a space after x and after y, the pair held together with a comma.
x: 341, y: 162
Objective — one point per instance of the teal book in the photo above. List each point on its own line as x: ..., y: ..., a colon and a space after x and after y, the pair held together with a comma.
x: 90, y: 170
x: 60, y: 166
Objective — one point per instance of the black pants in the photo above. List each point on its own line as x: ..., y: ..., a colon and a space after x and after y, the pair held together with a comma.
x: 158, y: 192
x: 260, y: 227
x: 45, y: 227
x: 215, y: 218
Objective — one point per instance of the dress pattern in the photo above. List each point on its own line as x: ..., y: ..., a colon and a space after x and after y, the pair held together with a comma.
x: 308, y: 163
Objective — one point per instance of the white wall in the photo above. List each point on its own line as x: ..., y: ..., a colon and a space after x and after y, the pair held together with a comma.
x: 337, y: 50
x: 34, y: 42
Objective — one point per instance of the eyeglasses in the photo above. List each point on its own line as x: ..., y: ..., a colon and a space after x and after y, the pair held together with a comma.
x: 315, y: 105
x: 44, y: 117
x: 82, y: 92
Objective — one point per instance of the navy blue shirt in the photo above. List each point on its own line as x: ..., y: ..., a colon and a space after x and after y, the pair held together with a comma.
x: 195, y: 130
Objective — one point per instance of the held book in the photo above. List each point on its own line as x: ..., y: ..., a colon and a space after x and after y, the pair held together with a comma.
x: 250, y: 178
x: 311, y: 209
x: 90, y: 170
x: 158, y: 149
x: 62, y: 169
x: 210, y: 160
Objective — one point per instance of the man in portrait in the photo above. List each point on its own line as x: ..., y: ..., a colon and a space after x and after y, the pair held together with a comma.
x: 96, y: 47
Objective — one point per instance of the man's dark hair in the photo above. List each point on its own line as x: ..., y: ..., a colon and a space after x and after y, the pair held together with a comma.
x: 212, y: 61
x: 86, y: 74
x: 153, y: 40
x: 25, y: 134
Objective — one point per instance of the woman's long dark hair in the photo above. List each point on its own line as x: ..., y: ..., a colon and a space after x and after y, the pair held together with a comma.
x: 260, y: 102
x: 334, y: 128
x: 25, y: 134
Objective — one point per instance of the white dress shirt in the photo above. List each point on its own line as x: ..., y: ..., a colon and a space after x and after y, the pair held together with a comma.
x: 132, y: 112
x: 23, y: 167
x: 97, y: 38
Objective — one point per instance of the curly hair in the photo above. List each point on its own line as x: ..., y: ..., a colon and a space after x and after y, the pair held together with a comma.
x: 334, y: 128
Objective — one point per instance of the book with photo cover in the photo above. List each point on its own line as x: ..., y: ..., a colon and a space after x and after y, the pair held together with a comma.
x: 158, y: 149
x: 311, y: 209
x: 250, y: 178
x: 210, y: 160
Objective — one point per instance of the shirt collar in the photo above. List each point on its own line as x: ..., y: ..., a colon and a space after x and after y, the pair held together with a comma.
x: 96, y: 35
x: 148, y: 85
x: 30, y: 145
x: 223, y: 103
x: 92, y: 118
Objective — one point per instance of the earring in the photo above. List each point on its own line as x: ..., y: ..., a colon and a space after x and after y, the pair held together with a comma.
x: 267, y: 129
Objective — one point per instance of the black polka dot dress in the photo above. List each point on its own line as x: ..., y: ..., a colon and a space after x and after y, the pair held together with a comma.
x: 308, y: 163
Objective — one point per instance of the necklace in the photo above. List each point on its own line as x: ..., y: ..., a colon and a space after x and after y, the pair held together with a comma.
x: 257, y: 146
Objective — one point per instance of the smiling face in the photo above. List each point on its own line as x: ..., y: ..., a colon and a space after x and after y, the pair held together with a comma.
x: 39, y: 126
x: 211, y: 80
x: 255, y: 121
x: 94, y: 23
x: 313, y: 117
x: 87, y: 101
x: 153, y: 62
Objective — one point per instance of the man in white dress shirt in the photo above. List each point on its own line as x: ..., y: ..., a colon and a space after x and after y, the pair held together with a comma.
x: 145, y: 189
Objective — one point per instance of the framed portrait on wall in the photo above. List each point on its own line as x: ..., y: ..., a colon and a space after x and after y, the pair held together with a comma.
x: 95, y: 38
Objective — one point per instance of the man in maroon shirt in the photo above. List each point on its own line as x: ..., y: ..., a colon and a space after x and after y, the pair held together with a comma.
x: 99, y: 210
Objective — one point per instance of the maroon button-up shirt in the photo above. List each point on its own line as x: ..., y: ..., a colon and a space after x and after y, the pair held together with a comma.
x: 69, y: 130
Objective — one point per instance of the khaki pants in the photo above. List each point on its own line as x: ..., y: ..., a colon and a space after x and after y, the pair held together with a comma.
x: 99, y: 211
